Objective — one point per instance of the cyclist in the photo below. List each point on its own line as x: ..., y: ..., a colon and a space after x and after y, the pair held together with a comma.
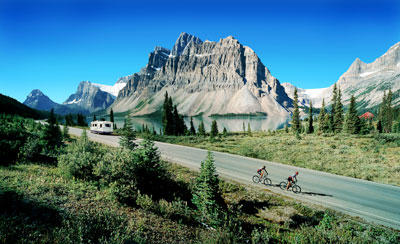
x: 291, y: 179
x: 262, y: 171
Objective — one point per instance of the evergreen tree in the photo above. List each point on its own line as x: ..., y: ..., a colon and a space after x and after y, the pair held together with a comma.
x: 112, y: 119
x: 214, y: 129
x: 388, y: 113
x: 353, y: 123
x: 310, y: 128
x: 128, y: 136
x: 167, y: 115
x: 225, y: 132
x: 206, y: 195
x: 192, y: 129
x: 338, y: 113
x: 94, y: 117
x: 65, y: 133
x: 249, y: 129
x: 333, y: 109
x: 52, y: 133
x: 379, y: 127
x: 286, y: 128
x: 296, y: 114
x: 322, y: 126
x: 69, y: 121
x: 201, y: 130
x: 244, y: 128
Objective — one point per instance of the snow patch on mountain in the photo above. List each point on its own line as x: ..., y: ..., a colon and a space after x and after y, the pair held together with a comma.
x: 113, y: 90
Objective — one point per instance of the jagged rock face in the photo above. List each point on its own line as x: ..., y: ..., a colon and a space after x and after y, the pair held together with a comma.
x: 89, y: 97
x: 183, y: 40
x: 367, y: 82
x: 212, y: 78
x: 37, y: 100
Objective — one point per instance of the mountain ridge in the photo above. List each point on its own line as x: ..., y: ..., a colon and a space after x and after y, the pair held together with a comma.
x: 206, y: 78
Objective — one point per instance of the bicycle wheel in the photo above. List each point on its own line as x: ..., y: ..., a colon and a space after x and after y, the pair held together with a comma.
x: 296, y: 189
x: 256, y: 179
x: 267, y: 182
x: 283, y: 185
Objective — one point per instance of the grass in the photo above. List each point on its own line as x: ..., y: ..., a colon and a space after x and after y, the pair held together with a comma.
x: 365, y: 157
x: 40, y: 206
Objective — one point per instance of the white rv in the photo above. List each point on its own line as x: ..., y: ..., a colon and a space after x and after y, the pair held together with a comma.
x: 101, y: 127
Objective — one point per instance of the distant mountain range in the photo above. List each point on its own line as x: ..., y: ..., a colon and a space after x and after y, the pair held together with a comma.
x: 221, y: 78
x: 367, y: 82
x: 89, y: 97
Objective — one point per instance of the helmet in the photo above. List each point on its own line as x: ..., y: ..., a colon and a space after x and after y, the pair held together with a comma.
x: 297, y: 173
x: 264, y: 167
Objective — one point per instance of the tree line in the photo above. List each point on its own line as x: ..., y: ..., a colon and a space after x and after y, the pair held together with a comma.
x: 336, y: 121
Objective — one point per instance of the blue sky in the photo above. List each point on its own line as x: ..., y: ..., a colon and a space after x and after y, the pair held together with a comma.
x: 53, y: 45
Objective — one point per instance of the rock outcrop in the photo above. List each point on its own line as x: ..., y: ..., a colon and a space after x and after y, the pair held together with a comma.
x: 222, y: 77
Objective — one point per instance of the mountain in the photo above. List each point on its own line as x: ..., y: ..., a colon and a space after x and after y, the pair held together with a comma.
x: 208, y: 78
x: 304, y: 95
x: 114, y: 89
x: 366, y: 81
x: 89, y: 97
x: 37, y: 100
x: 9, y: 105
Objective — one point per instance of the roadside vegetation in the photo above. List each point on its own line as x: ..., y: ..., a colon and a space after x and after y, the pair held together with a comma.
x: 332, y: 141
x: 95, y: 194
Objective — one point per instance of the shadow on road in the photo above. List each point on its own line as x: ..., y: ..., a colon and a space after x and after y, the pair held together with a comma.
x: 308, y: 193
x: 316, y: 194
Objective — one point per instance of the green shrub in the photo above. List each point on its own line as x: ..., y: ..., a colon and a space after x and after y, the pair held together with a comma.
x: 80, y: 159
x: 96, y: 226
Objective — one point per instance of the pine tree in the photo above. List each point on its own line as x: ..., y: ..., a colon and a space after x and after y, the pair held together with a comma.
x: 333, y: 109
x: 310, y: 128
x: 339, y: 113
x: 201, y: 130
x: 52, y: 133
x: 249, y: 129
x: 65, y: 133
x: 112, y: 119
x: 214, y: 129
x: 94, y: 117
x: 192, y: 129
x: 206, y: 195
x: 322, y: 126
x: 128, y: 136
x: 225, y: 132
x: 388, y: 113
x: 167, y: 115
x: 296, y: 114
x: 244, y: 128
x: 353, y: 123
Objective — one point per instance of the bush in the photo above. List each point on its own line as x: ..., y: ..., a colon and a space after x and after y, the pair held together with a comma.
x: 80, y: 159
x: 96, y: 226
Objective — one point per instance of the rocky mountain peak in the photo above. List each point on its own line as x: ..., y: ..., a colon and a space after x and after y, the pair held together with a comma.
x: 36, y: 99
x: 35, y: 93
x: 183, y: 40
x: 222, y: 77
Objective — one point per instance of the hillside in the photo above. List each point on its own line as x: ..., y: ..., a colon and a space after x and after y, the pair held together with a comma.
x: 9, y: 105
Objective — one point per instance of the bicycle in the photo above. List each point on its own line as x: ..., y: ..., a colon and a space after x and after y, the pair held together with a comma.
x: 265, y: 180
x: 295, y: 188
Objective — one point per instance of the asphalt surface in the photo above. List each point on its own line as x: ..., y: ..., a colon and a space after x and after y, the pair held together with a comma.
x: 377, y: 203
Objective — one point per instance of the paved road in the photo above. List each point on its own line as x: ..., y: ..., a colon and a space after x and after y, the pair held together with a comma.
x: 374, y: 202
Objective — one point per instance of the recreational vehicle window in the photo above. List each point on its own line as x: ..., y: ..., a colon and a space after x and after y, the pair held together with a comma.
x: 107, y: 125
